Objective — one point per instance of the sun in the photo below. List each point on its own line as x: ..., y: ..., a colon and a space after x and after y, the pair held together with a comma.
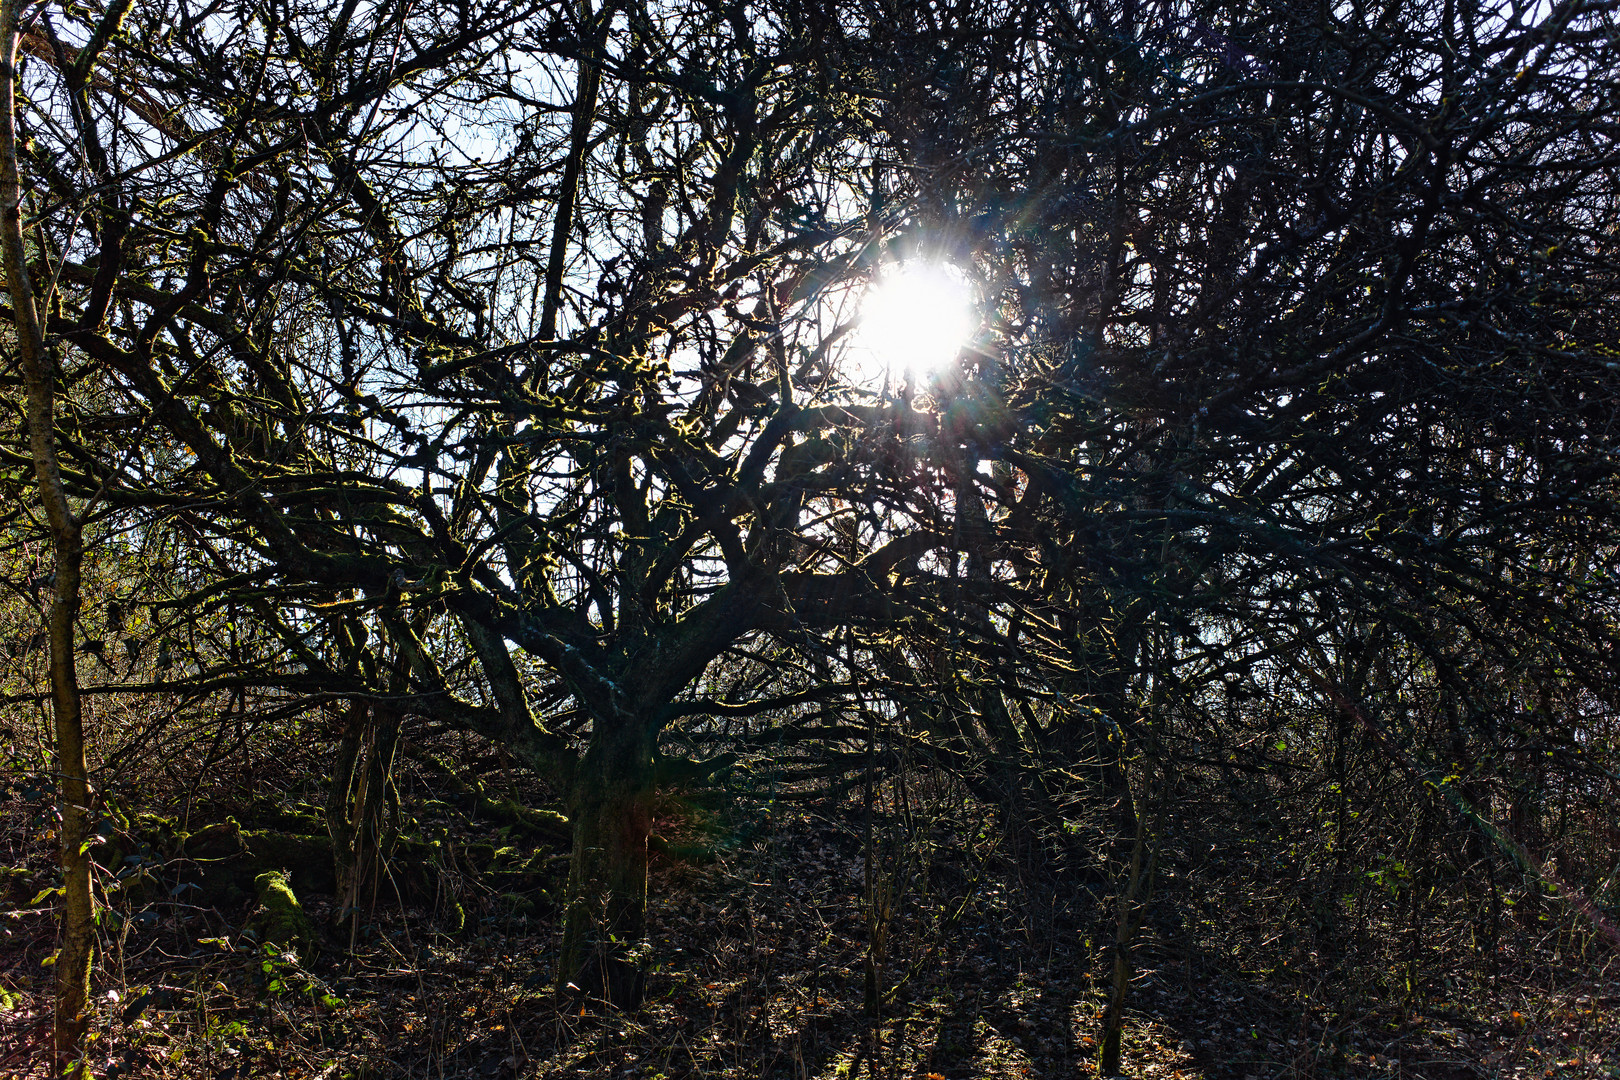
x: 915, y: 318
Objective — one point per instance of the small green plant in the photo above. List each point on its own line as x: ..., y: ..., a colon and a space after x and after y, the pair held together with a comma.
x: 283, y: 974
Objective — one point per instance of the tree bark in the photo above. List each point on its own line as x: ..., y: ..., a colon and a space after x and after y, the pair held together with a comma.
x: 605, y: 913
x: 339, y: 814
x: 1133, y: 902
x: 1113, y: 1025
x: 76, y: 954
x: 589, y: 82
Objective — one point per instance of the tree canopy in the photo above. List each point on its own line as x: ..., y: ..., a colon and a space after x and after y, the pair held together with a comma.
x: 498, y: 365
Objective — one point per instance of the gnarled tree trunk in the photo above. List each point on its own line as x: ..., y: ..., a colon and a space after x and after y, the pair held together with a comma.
x: 356, y: 807
x: 605, y: 916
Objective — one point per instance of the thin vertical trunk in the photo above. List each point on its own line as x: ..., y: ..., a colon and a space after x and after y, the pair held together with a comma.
x: 873, y: 900
x: 605, y: 916
x: 1113, y: 1025
x: 1132, y: 903
x: 77, y: 951
x: 372, y: 814
x: 339, y: 821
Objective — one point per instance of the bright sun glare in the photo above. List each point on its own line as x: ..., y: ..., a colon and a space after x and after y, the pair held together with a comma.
x: 915, y: 318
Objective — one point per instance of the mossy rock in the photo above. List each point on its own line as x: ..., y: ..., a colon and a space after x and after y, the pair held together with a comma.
x: 542, y: 862
x: 213, y: 842
x: 231, y: 859
x: 311, y: 856
x: 280, y: 919
x: 159, y: 831
x: 299, y: 818
x: 514, y: 906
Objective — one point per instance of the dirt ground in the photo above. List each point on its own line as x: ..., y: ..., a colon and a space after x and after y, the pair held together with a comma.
x: 759, y: 968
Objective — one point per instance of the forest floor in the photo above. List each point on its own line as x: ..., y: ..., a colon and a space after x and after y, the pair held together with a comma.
x: 759, y: 970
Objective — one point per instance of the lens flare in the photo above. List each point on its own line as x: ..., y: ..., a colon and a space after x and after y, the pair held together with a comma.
x: 914, y: 319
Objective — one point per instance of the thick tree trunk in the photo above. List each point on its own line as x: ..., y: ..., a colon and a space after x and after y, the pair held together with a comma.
x: 77, y: 951
x: 605, y: 916
x: 356, y: 806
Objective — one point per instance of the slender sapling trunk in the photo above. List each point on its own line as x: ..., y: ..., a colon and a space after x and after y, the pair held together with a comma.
x: 77, y: 951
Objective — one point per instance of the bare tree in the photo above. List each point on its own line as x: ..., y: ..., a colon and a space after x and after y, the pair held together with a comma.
x: 497, y: 351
